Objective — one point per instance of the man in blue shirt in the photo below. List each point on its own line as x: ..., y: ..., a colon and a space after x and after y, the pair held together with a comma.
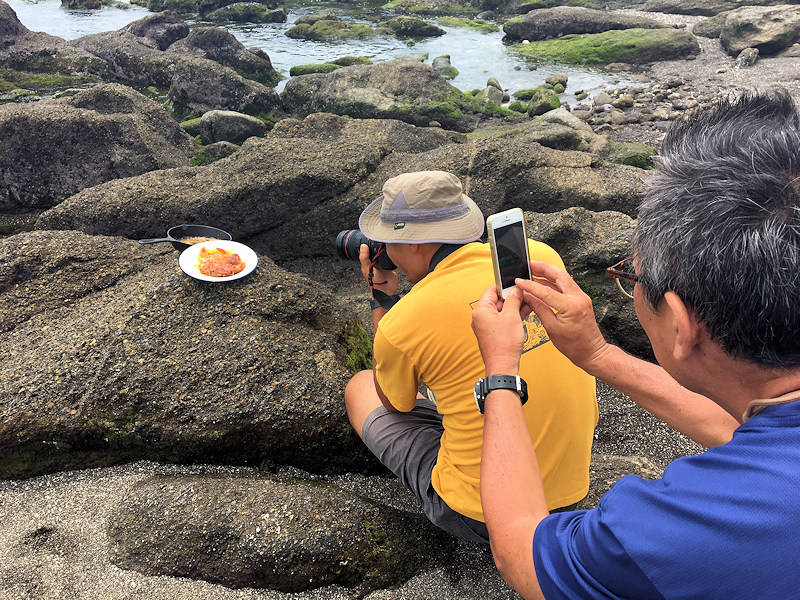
x: 716, y: 287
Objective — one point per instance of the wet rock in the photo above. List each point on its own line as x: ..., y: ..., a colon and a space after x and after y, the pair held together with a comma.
x: 200, y: 85
x: 329, y: 29
x: 201, y: 71
x: 214, y: 152
x: 116, y: 354
x: 555, y: 80
x: 326, y: 14
x: 711, y: 27
x: 632, y: 46
x: 548, y: 23
x: 746, y: 58
x: 706, y: 8
x: 442, y: 65
x: 229, y: 126
x: 208, y: 6
x: 162, y: 29
x: 25, y: 51
x: 54, y: 148
x: 248, y: 12
x: 410, y: 91
x: 260, y: 532
x: 490, y: 94
x: 412, y: 27
x: 769, y: 29
x: 219, y: 45
x: 542, y: 101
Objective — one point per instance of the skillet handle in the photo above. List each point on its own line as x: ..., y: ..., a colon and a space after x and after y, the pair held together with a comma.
x: 154, y: 240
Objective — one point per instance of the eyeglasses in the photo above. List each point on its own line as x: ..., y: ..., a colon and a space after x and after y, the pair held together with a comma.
x: 624, y: 275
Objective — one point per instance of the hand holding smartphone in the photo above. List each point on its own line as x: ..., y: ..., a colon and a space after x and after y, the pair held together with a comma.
x: 509, y: 246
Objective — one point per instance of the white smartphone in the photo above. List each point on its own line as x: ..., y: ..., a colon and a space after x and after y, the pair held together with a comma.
x: 509, y: 245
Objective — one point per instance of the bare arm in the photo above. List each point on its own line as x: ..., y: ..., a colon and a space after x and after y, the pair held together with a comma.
x: 512, y: 493
x: 574, y: 331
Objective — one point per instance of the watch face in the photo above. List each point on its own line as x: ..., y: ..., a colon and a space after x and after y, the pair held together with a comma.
x: 478, y: 394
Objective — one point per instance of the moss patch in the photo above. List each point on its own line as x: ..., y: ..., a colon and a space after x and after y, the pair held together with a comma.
x: 10, y: 79
x: 330, y: 30
x: 629, y: 45
x: 192, y: 126
x: 357, y: 345
x: 313, y: 68
x: 634, y: 154
x: 348, y: 61
x: 475, y: 24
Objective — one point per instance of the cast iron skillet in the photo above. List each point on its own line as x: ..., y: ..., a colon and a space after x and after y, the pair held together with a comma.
x: 179, y: 232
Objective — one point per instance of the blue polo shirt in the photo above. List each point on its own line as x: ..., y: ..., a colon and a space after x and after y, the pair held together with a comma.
x: 723, y: 524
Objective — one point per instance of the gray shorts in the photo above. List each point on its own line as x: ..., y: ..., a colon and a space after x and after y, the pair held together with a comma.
x: 407, y: 443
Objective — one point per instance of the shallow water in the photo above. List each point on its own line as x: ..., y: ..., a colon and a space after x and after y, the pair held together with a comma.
x: 476, y: 56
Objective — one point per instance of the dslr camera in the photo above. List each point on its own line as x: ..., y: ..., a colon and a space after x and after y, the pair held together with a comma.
x: 348, y: 244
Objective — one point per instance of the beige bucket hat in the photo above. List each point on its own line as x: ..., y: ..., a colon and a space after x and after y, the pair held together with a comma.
x: 423, y: 207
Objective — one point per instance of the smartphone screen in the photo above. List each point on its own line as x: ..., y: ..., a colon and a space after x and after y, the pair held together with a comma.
x: 512, y: 258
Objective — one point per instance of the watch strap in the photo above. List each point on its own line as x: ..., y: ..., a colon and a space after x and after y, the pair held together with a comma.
x: 383, y: 300
x: 499, y: 382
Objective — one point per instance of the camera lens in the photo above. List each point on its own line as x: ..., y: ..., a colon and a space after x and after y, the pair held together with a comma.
x: 348, y: 245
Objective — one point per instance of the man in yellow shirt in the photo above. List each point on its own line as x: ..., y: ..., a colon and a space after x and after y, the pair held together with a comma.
x: 431, y: 231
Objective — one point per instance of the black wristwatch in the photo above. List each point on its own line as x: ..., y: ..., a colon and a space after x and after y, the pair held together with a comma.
x: 499, y: 382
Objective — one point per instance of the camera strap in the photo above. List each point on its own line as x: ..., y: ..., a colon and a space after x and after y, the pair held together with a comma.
x: 443, y: 252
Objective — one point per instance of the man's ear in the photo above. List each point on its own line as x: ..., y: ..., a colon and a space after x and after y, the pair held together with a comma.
x: 688, y: 331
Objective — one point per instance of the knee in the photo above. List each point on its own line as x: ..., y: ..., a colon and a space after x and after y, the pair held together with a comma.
x: 359, y: 384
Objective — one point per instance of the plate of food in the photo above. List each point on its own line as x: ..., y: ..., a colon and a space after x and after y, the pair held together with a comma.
x: 218, y: 260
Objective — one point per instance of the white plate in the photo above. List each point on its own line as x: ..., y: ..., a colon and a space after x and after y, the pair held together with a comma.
x: 189, y: 257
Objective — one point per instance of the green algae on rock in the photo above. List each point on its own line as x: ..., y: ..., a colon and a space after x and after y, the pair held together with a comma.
x: 329, y: 29
x: 313, y: 68
x: 635, y: 46
x: 477, y: 24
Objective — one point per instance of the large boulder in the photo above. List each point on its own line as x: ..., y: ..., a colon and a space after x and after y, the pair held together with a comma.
x: 548, y: 23
x: 330, y: 29
x: 248, y: 12
x: 269, y: 532
x: 52, y: 149
x: 113, y: 354
x: 769, y: 29
x: 412, y: 27
x: 558, y: 129
x: 161, y: 29
x: 27, y: 52
x: 706, y: 8
x: 634, y: 46
x: 220, y: 46
x: 205, y: 70
x: 208, y: 6
x: 199, y: 85
x: 410, y: 91
x: 309, y: 181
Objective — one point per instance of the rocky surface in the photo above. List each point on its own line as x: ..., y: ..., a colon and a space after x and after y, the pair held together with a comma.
x: 768, y: 29
x: 548, y: 23
x: 114, y: 355
x: 52, y: 149
x: 397, y: 89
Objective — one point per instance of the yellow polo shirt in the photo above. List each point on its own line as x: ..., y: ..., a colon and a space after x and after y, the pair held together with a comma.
x: 427, y: 336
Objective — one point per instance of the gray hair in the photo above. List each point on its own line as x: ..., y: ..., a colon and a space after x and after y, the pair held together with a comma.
x: 720, y: 225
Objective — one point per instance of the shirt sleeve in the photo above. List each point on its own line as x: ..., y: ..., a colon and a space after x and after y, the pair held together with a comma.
x: 577, y: 555
x: 396, y: 373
